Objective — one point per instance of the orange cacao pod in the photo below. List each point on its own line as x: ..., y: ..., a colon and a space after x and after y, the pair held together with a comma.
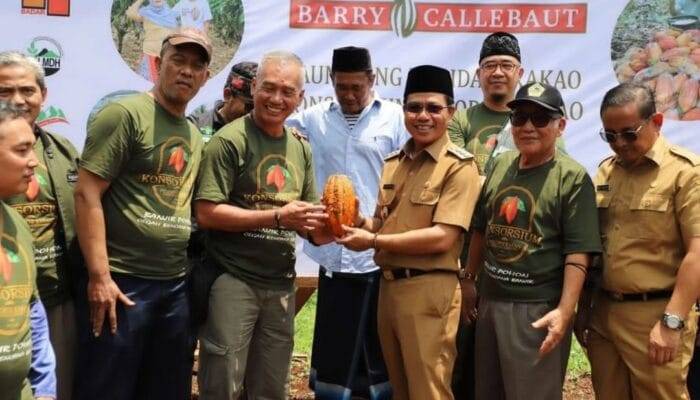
x: 340, y: 202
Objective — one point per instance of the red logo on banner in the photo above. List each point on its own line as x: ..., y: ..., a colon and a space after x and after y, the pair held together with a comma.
x: 406, y: 16
x: 54, y: 8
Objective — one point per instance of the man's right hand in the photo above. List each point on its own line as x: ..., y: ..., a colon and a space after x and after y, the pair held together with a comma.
x: 469, y: 298
x: 103, y: 294
x: 302, y: 217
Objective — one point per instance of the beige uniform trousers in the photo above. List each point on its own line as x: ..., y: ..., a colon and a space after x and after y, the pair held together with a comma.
x: 618, y: 350
x: 417, y: 321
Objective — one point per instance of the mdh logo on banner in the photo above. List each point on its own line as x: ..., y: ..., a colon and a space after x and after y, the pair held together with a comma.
x: 407, y: 16
x: 53, y: 8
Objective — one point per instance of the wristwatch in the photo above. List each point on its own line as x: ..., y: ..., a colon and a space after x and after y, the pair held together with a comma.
x: 673, y: 322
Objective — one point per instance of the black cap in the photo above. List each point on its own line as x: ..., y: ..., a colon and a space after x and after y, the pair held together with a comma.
x: 351, y: 59
x: 240, y: 79
x: 500, y: 44
x: 541, y: 94
x: 428, y: 78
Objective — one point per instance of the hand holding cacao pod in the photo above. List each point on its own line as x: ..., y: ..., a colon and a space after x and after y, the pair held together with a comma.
x: 341, y: 203
x: 302, y: 217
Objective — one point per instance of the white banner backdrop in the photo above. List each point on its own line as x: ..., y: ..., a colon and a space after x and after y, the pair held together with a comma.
x: 583, y: 48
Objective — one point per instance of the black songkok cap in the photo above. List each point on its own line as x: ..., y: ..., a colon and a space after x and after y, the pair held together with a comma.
x: 428, y: 78
x: 542, y: 94
x: 500, y: 44
x: 351, y: 59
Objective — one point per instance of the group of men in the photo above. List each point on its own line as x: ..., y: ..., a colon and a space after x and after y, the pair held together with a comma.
x: 453, y: 204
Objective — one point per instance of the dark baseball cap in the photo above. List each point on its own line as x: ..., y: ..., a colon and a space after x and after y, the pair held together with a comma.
x: 542, y: 94
x: 240, y: 78
x: 190, y: 36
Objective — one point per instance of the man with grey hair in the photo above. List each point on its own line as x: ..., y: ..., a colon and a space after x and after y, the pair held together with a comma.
x: 255, y: 193
x: 47, y: 206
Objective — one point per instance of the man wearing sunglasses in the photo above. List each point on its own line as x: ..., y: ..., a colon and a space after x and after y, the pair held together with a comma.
x: 237, y: 102
x: 643, y: 324
x: 533, y: 232
x: 426, y: 197
x: 350, y: 135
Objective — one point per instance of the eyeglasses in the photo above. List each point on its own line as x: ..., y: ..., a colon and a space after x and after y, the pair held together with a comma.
x: 417, y: 108
x: 506, y: 67
x: 629, y: 135
x: 538, y: 119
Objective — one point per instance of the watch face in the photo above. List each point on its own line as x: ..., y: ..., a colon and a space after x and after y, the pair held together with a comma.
x: 672, y: 322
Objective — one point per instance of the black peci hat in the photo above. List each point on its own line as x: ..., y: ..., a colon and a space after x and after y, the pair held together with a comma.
x: 500, y: 44
x: 351, y: 59
x: 428, y: 78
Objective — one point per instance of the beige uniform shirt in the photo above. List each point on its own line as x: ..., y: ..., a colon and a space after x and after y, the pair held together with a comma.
x: 647, y: 216
x: 438, y: 185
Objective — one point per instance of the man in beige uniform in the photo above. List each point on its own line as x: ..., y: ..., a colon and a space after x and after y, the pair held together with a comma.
x: 640, y: 340
x: 426, y: 198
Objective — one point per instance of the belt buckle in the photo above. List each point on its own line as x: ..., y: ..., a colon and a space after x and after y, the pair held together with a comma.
x: 388, y: 275
x: 617, y: 296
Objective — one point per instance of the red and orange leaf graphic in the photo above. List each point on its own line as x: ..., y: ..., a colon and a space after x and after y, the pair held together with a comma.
x: 177, y: 159
x: 33, y: 188
x: 510, y: 207
x: 275, y: 176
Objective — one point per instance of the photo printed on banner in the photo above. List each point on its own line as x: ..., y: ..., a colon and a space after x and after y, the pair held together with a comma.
x: 657, y: 42
x: 139, y: 27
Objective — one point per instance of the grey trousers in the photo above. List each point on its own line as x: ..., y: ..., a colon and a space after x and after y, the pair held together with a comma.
x: 507, y: 353
x: 63, y: 337
x: 248, y: 335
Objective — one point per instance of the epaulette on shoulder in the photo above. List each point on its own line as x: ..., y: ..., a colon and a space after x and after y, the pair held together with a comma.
x: 686, y: 154
x: 459, y: 152
x: 605, y: 160
x: 297, y: 134
x: 391, y: 155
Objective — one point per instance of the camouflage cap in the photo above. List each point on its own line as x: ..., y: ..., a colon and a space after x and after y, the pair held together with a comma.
x: 240, y: 79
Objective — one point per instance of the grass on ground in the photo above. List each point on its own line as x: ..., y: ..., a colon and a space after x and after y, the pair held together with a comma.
x: 304, y: 333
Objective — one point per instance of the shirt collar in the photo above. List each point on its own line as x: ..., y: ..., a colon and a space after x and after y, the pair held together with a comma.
x: 433, y: 150
x: 656, y: 154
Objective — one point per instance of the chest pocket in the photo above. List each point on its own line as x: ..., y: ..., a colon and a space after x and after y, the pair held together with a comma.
x: 649, y: 212
x: 422, y: 208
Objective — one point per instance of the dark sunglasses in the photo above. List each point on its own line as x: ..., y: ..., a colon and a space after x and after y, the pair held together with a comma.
x: 538, y: 119
x: 629, y: 135
x: 417, y: 108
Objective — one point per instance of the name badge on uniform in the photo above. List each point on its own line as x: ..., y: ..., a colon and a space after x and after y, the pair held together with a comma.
x: 602, y: 188
x: 72, y: 176
x: 388, y: 186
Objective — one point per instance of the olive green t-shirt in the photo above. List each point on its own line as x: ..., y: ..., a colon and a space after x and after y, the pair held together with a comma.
x: 245, y: 167
x: 39, y: 208
x: 476, y: 130
x: 531, y: 219
x: 17, y: 291
x: 151, y: 159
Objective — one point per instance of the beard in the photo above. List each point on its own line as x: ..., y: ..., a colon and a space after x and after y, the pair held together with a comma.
x: 498, y: 97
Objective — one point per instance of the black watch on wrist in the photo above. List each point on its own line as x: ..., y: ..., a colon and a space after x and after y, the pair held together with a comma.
x: 672, y: 321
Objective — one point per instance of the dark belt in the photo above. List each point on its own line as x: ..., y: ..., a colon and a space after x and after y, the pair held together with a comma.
x: 655, y: 295
x: 401, y: 273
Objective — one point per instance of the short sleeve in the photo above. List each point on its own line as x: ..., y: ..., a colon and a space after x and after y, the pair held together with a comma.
x: 309, y: 190
x: 687, y: 203
x: 458, y: 196
x: 206, y: 11
x: 218, y: 170
x: 108, y: 143
x: 455, y: 129
x: 580, y: 217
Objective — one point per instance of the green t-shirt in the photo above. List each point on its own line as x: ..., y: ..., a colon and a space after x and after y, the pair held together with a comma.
x: 17, y: 291
x: 151, y: 159
x: 39, y: 208
x: 476, y: 130
x: 249, y: 169
x: 531, y: 219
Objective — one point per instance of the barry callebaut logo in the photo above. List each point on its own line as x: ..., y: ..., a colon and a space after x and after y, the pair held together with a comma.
x: 51, y: 115
x: 48, y: 52
x: 404, y: 17
x: 52, y: 8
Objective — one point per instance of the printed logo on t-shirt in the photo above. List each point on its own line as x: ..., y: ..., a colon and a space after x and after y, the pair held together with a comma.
x: 510, y: 233
x: 172, y: 181
x: 15, y: 287
x: 279, y: 178
x: 487, y: 138
x: 38, y: 182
